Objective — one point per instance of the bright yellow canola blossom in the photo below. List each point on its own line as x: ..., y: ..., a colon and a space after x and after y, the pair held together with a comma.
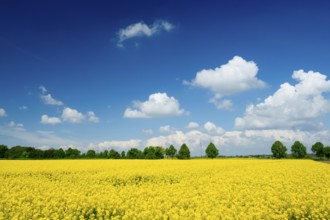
x: 165, y: 189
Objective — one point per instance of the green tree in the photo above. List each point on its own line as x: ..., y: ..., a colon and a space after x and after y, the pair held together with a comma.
x: 35, y: 153
x: 59, y: 153
x: 159, y: 152
x: 48, y: 154
x: 170, y: 151
x: 279, y: 150
x: 318, y: 148
x: 123, y: 154
x: 134, y: 153
x: 3, y: 150
x: 211, y: 151
x: 72, y: 153
x: 298, y: 150
x: 16, y: 152
x: 184, y: 152
x: 104, y: 154
x: 113, y: 154
x: 149, y: 152
x: 91, y: 154
x: 326, y: 151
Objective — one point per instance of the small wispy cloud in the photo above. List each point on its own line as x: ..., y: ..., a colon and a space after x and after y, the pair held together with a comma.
x: 47, y: 98
x: 2, y: 112
x: 23, y: 107
x: 92, y: 117
x: 141, y: 29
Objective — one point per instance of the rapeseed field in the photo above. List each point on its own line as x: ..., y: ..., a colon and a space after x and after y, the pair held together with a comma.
x: 164, y: 189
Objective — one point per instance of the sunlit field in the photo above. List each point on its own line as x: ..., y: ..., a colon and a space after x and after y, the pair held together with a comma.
x: 165, y: 189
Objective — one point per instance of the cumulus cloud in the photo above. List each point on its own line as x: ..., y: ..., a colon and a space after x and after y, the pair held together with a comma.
x: 141, y: 29
x: 166, y: 129
x: 50, y: 120
x: 92, y: 117
x: 158, y: 105
x: 192, y: 125
x: 2, y: 112
x: 238, y: 142
x: 212, y: 128
x: 191, y: 138
x: 291, y: 106
x: 117, y: 144
x: 72, y: 115
x: 238, y: 75
x: 222, y: 104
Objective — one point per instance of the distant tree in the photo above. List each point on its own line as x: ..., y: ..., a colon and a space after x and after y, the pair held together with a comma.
x: 326, y: 151
x: 50, y: 153
x: 134, y: 153
x: 279, y: 150
x: 72, y: 153
x: 59, y: 153
x: 184, y: 152
x: 298, y: 150
x: 123, y: 154
x: 149, y: 152
x: 35, y: 153
x: 104, y: 154
x: 91, y: 154
x: 211, y: 151
x: 113, y: 154
x: 159, y: 152
x: 318, y: 148
x: 170, y: 151
x: 152, y: 152
x: 16, y: 152
x: 3, y: 150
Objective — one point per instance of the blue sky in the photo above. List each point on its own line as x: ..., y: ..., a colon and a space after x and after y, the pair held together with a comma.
x: 122, y: 74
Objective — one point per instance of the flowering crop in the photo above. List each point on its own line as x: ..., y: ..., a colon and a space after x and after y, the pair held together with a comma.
x: 165, y: 189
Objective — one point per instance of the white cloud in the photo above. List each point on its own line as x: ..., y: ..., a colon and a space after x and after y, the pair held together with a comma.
x: 50, y: 120
x: 291, y: 106
x: 72, y: 115
x: 15, y: 125
x: 222, y: 104
x: 117, y: 144
x: 20, y: 136
x: 192, y: 125
x: 141, y: 29
x: 239, y: 142
x: 191, y: 138
x: 158, y: 105
x: 92, y: 117
x: 43, y: 89
x: 212, y: 128
x: 2, y: 112
x: 238, y: 75
x: 49, y: 100
x: 166, y: 129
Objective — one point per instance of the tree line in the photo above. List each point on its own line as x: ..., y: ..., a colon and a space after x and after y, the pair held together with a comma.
x: 298, y: 150
x: 151, y: 152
